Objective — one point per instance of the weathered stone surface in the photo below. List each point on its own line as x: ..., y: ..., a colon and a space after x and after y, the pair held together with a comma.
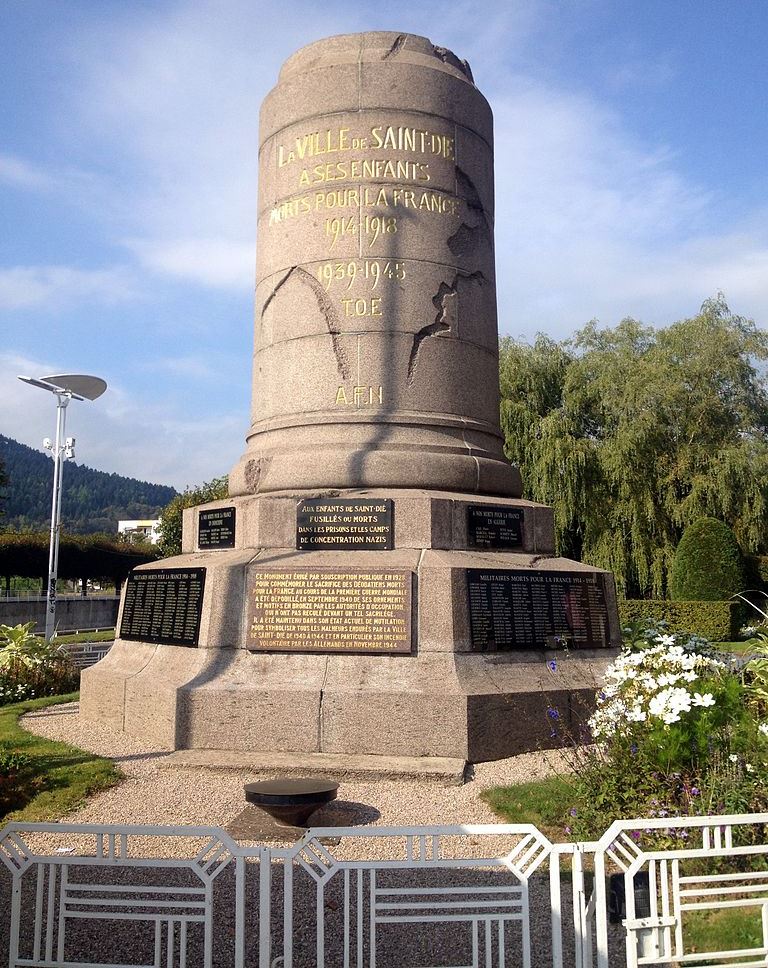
x: 446, y: 771
x: 375, y: 275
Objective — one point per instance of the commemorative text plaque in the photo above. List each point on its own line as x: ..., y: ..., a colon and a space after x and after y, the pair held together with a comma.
x: 343, y: 524
x: 325, y: 610
x: 216, y: 529
x: 531, y: 609
x: 164, y: 606
x: 494, y: 526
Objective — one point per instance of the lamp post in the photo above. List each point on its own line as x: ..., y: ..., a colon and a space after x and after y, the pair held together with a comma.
x: 65, y: 387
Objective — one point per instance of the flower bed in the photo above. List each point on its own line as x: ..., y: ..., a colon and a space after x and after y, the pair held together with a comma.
x: 680, y: 730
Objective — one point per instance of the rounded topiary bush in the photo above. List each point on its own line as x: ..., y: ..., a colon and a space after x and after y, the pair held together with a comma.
x: 708, y: 564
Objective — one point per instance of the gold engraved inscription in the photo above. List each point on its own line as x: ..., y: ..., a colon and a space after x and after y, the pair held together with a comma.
x: 334, y: 141
x: 330, y: 611
x: 360, y: 397
x: 370, y: 271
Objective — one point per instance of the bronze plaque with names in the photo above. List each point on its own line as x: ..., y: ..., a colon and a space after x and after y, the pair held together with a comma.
x: 216, y: 529
x: 163, y: 605
x: 494, y: 526
x: 344, y: 524
x: 530, y: 609
x: 350, y: 610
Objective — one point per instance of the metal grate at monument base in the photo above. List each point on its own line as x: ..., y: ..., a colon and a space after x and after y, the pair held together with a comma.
x: 76, y: 895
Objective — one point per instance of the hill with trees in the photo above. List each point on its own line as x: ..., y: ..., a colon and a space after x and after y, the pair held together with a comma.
x: 92, y: 501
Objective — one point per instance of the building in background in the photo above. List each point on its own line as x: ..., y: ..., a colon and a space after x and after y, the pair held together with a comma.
x: 147, y: 530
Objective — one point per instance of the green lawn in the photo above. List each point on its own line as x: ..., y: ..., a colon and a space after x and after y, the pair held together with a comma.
x: 64, y: 775
x: 544, y: 803
x: 105, y: 635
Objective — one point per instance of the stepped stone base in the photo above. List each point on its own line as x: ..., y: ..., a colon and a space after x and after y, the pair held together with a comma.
x: 441, y: 700
x: 437, y: 769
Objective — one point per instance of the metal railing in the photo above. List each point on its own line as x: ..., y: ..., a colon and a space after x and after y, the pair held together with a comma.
x: 474, y: 896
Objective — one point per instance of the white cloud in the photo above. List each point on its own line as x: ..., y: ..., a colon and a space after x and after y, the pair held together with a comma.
x: 122, y: 432
x: 220, y: 263
x: 57, y: 287
x: 22, y: 174
x: 591, y: 222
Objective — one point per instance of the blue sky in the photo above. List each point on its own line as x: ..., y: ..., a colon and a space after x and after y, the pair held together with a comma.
x: 631, y: 180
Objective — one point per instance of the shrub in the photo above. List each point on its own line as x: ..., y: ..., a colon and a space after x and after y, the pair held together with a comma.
x: 16, y: 779
x: 756, y: 571
x: 30, y: 667
x: 678, y: 733
x: 716, y: 621
x: 707, y: 565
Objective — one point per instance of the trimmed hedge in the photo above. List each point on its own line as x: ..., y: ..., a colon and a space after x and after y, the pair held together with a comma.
x: 716, y: 621
x: 707, y: 565
x: 24, y: 554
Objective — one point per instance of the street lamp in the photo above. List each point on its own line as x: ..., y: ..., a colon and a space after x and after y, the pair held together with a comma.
x: 66, y: 387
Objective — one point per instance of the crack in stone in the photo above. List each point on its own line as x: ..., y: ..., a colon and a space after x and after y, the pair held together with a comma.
x: 326, y: 308
x: 440, y: 327
x: 468, y: 236
x: 396, y: 47
x: 254, y: 471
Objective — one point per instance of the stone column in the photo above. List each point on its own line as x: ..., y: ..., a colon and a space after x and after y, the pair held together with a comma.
x: 376, y: 344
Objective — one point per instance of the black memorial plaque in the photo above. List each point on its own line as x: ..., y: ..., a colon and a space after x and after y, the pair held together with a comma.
x: 494, y: 526
x: 344, y: 524
x: 329, y: 610
x: 536, y: 609
x: 164, y: 606
x: 216, y: 529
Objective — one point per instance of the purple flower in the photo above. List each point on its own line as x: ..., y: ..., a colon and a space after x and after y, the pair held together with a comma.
x: 567, y: 830
x: 635, y: 835
x: 553, y: 713
x: 573, y: 812
x: 695, y: 791
x: 633, y: 748
x: 552, y: 665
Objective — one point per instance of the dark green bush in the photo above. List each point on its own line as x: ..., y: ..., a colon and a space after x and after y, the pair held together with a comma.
x: 756, y: 572
x: 708, y: 565
x: 716, y: 621
x: 16, y: 779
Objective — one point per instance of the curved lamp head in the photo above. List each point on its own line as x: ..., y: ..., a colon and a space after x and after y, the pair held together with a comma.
x: 79, y: 385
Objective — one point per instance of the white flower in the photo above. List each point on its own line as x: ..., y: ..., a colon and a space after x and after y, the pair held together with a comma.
x: 763, y: 728
x: 706, y: 700
x: 689, y: 676
x: 749, y: 768
x: 665, y: 639
x: 733, y: 758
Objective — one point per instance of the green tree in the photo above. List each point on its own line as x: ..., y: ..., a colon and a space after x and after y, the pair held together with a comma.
x: 3, y: 486
x: 172, y: 514
x: 632, y: 433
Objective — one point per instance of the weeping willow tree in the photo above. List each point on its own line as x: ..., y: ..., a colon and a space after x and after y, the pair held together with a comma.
x: 633, y: 433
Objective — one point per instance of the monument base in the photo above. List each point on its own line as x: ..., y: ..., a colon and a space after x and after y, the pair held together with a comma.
x: 439, y: 698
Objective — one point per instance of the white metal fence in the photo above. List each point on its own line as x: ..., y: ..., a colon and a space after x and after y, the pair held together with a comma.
x: 488, y: 896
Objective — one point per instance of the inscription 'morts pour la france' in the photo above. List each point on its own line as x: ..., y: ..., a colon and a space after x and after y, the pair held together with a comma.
x: 329, y: 610
x: 494, y: 526
x: 216, y: 528
x: 530, y: 609
x: 344, y: 524
x: 164, y: 606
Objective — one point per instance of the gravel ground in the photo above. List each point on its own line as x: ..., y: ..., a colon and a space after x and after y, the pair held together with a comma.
x: 150, y: 795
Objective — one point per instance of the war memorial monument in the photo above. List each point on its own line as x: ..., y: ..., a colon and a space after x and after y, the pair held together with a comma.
x: 374, y: 585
